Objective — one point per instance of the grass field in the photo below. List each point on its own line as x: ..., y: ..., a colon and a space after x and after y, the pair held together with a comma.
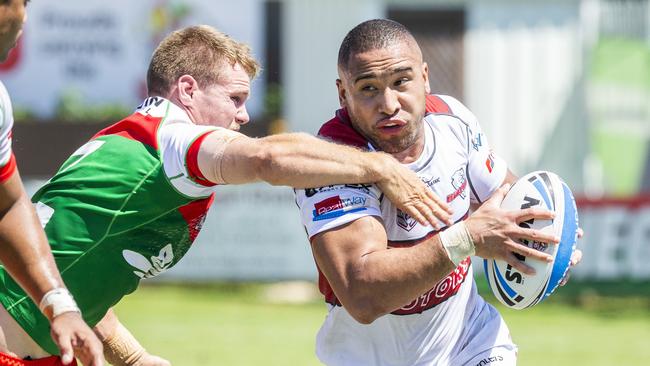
x: 235, y: 324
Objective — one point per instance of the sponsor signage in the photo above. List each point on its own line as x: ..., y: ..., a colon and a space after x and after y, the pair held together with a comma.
x: 98, y: 52
x: 616, y: 243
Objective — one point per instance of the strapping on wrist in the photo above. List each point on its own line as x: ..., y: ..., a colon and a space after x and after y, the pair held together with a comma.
x: 56, y: 302
x: 457, y: 242
x: 122, y: 349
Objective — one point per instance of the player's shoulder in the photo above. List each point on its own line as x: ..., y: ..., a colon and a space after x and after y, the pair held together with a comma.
x: 6, y: 112
x: 340, y: 130
x: 440, y: 104
x: 445, y: 104
x: 437, y: 104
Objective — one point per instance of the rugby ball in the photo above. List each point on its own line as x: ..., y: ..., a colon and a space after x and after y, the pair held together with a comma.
x: 545, y: 190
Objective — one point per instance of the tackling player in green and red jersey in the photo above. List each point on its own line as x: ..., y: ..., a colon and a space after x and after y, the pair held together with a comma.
x: 128, y: 204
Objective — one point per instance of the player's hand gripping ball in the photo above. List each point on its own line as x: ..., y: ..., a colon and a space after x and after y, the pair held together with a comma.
x: 545, y: 190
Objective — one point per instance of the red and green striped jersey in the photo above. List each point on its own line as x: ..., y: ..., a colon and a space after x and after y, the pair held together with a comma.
x: 126, y: 205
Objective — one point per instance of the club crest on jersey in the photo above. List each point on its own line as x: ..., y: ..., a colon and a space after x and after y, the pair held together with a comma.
x: 405, y: 221
x: 150, y: 268
x: 338, y: 206
x: 459, y: 182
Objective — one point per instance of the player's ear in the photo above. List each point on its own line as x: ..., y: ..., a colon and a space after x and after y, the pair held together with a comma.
x: 186, y: 85
x: 425, y: 75
x: 341, y: 91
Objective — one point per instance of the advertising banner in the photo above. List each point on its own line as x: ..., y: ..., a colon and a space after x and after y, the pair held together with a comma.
x: 97, y: 53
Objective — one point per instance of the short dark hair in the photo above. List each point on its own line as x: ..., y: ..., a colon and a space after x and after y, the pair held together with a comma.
x: 371, y: 35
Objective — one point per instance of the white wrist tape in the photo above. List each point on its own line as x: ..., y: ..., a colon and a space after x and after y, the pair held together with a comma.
x: 457, y: 242
x: 60, y: 300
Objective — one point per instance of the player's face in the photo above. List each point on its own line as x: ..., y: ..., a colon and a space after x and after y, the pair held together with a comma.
x: 12, y: 17
x: 223, y: 103
x: 384, y: 92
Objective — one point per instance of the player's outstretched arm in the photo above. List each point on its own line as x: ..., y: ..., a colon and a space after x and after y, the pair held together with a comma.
x: 26, y: 254
x: 302, y: 161
x: 120, y: 346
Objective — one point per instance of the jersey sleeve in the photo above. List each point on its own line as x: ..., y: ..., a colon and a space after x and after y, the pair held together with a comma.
x: 485, y: 170
x: 179, y: 143
x: 7, y: 159
x: 328, y: 207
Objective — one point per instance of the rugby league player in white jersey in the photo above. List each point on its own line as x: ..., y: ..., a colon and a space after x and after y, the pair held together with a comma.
x: 401, y: 293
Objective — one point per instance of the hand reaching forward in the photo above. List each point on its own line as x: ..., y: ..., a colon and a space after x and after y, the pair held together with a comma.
x: 407, y: 191
x: 74, y: 338
x: 496, y: 232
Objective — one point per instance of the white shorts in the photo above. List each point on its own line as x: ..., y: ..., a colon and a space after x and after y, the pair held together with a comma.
x: 486, y: 342
x: 497, y: 356
x: 483, y: 339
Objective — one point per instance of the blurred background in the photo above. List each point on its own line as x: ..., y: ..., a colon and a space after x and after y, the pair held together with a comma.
x: 559, y: 85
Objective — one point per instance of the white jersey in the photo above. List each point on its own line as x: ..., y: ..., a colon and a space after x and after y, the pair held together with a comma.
x: 7, y: 160
x: 179, y: 140
x: 437, y: 327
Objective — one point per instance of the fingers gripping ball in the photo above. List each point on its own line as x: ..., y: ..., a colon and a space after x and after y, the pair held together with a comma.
x: 545, y: 190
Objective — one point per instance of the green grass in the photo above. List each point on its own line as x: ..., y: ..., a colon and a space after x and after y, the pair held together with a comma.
x: 582, y: 324
x: 585, y: 324
x: 221, y: 325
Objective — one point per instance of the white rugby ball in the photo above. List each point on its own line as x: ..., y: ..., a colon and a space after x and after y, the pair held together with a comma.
x: 545, y: 190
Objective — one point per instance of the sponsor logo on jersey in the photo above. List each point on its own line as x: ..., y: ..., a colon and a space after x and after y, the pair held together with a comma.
x: 310, y: 192
x: 148, y: 104
x: 148, y: 268
x: 430, y: 181
x: 488, y: 360
x: 446, y: 288
x: 459, y: 182
x: 337, y: 206
x: 405, y: 221
x: 489, y: 162
x: 476, y: 141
